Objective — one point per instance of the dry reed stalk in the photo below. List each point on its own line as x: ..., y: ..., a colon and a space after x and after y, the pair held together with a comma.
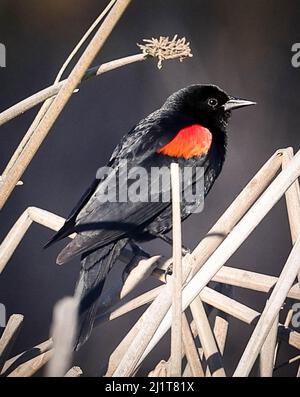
x: 74, y: 372
x: 30, y: 367
x: 146, y: 338
x: 191, y: 352
x: 267, y: 353
x: 127, y: 307
x: 292, y: 199
x: 220, y: 332
x: 206, y: 336
x: 160, y: 50
x: 222, y: 303
x: 21, y: 106
x: 26, y: 356
x: 61, y: 100
x: 9, y: 336
x: 187, y: 372
x: 227, y: 275
x: 251, y: 280
x: 63, y: 330
x: 161, y: 370
x: 271, y: 310
x: 215, y: 299
x: 292, y: 202
x: 176, y: 329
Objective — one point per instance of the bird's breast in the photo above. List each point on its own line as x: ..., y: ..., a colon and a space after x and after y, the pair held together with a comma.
x: 191, y: 141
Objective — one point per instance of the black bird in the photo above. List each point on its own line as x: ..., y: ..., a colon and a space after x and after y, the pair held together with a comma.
x: 190, y: 129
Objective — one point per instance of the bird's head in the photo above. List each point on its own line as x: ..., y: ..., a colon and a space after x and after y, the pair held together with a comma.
x: 210, y: 105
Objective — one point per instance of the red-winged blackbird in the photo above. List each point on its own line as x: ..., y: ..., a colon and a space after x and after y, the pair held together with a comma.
x: 190, y: 129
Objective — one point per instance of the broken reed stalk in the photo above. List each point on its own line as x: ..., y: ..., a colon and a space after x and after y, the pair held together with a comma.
x: 22, y: 106
x: 176, y: 329
x: 61, y: 100
x: 292, y: 202
x: 161, y: 370
x: 31, y: 366
x: 145, y: 341
x: 206, y: 336
x: 220, y: 332
x: 227, y: 275
x: 256, y: 281
x: 292, y: 199
x: 191, y: 352
x: 63, y: 332
x: 209, y: 296
x: 9, y: 337
x: 205, y: 248
x: 25, y: 356
x: 267, y: 353
x: 74, y: 372
x: 127, y: 307
x: 272, y: 308
x: 187, y: 372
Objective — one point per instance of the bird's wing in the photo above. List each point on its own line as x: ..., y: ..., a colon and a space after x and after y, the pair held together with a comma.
x: 103, y: 219
x: 132, y: 147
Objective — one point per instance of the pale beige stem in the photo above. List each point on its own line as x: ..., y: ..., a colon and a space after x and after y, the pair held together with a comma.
x: 292, y: 197
x: 267, y: 353
x: 176, y: 329
x: 220, y: 332
x: 206, y: 336
x: 26, y: 355
x: 63, y: 330
x: 187, y: 372
x: 271, y: 310
x: 9, y: 336
x: 161, y: 370
x: 191, y: 352
x: 227, y: 275
x: 74, y: 372
x: 133, y: 304
x: 30, y: 367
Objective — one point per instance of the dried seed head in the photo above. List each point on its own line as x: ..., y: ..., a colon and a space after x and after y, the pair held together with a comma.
x: 166, y: 48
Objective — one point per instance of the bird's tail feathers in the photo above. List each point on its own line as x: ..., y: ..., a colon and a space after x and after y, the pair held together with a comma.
x: 95, y: 266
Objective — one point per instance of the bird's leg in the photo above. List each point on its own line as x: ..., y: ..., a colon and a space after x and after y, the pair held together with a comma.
x: 169, y: 241
x: 138, y: 254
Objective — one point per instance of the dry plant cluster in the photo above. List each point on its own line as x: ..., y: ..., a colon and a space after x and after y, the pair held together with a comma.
x: 193, y: 340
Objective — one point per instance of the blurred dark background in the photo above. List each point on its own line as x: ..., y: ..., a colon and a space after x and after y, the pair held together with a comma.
x: 243, y: 46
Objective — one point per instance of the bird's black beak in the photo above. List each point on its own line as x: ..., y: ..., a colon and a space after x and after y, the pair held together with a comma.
x: 234, y: 103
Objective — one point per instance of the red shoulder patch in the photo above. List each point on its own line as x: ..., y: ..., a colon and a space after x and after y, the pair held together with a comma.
x: 190, y: 141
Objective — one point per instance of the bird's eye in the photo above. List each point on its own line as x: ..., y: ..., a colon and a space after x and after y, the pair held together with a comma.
x: 213, y: 102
